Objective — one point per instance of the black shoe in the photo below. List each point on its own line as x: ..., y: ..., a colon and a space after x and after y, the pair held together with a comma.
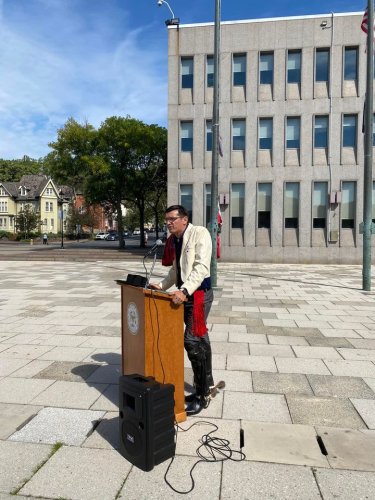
x: 195, y: 407
x: 190, y: 398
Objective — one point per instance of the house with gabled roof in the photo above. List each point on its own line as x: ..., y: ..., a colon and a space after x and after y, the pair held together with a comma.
x: 40, y: 193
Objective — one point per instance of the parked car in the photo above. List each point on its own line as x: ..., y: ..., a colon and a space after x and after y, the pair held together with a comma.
x: 101, y: 236
x: 136, y: 231
x: 126, y: 232
x: 112, y: 237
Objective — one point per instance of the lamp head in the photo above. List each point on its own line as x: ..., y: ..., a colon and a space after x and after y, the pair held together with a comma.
x: 160, y: 3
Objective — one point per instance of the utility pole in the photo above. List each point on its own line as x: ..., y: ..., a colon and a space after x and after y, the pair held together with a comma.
x: 215, y: 145
x: 367, y: 227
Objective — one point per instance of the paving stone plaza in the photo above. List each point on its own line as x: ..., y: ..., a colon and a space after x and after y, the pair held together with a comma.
x: 295, y: 345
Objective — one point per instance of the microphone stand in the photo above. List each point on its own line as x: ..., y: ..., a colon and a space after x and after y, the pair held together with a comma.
x: 151, y: 270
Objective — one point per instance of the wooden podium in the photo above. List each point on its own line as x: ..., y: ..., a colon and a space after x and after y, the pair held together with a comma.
x: 152, y: 339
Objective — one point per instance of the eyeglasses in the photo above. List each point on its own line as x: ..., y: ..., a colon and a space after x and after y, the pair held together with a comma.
x: 171, y: 219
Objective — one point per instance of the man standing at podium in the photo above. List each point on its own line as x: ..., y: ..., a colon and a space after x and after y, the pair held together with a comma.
x: 189, y: 248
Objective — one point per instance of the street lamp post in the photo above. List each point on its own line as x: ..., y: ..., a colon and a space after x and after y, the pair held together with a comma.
x: 62, y: 218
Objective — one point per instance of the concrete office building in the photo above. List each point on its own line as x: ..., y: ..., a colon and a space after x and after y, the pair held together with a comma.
x: 291, y: 108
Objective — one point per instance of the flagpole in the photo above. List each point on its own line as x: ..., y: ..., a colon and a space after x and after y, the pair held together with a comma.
x: 215, y: 145
x: 367, y: 225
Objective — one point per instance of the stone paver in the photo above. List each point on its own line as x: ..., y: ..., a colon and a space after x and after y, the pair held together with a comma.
x: 281, y: 383
x: 61, y: 350
x: 282, y: 443
x: 345, y: 485
x: 247, y: 480
x: 340, y: 387
x: 366, y: 408
x: 331, y: 412
x: 14, y: 416
x: 70, y: 395
x: 18, y: 461
x: 58, y: 425
x: 80, y: 473
x: 349, y: 449
x: 257, y: 407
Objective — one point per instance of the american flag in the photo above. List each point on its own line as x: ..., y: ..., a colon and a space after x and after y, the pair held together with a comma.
x: 219, y: 216
x: 364, y: 23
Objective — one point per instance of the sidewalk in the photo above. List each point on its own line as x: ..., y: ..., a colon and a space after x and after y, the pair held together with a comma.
x: 295, y: 345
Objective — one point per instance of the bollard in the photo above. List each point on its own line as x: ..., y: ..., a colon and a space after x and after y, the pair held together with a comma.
x: 31, y: 241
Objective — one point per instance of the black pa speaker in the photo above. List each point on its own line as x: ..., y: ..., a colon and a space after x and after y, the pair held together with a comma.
x: 146, y: 421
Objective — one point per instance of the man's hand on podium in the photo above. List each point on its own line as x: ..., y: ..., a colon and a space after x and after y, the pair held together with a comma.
x: 178, y: 297
x: 154, y: 286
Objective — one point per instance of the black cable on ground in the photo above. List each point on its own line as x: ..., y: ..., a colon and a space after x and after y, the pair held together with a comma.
x: 213, y: 449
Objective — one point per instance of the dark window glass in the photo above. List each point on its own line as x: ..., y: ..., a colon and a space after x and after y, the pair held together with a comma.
x: 291, y: 222
x: 350, y: 131
x: 187, y: 81
x: 238, y: 143
x: 321, y: 132
x: 208, y: 136
x: 187, y: 72
x: 350, y: 63
x: 186, y: 144
x: 237, y: 222
x: 265, y: 143
x: 319, y: 223
x: 322, y: 65
x: 210, y: 71
x: 239, y: 69
x: 294, y: 66
x: 347, y: 223
x: 264, y: 220
x: 266, y: 68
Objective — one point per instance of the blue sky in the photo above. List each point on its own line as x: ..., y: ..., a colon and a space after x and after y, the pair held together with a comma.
x: 91, y: 59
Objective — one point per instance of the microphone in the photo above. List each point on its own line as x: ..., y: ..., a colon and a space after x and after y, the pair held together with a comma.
x: 158, y: 243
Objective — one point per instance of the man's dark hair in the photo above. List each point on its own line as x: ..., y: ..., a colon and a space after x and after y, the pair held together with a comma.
x: 182, y: 212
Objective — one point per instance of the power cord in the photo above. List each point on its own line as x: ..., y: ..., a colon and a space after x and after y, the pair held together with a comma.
x: 213, y: 449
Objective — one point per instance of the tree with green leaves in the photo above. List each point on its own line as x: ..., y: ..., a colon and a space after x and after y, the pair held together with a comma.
x: 27, y: 220
x: 123, y: 161
x: 13, y: 170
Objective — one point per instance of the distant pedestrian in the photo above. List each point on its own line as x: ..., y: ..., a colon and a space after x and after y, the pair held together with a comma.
x: 45, y: 239
x: 146, y: 237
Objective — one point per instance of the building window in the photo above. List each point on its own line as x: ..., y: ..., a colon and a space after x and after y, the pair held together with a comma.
x: 291, y: 205
x: 49, y: 191
x: 293, y: 129
x: 237, y: 205
x: 348, y: 205
x: 11, y: 221
x: 2, y: 192
x: 45, y: 222
x: 239, y: 69
x: 52, y: 223
x: 207, y: 203
x: 49, y: 206
x: 294, y: 66
x: 187, y: 72
x: 266, y: 67
x: 22, y: 190
x: 319, y: 204
x: 186, y: 198
x: 351, y: 63
x: 349, y: 133
x: 208, y: 135
x: 264, y: 205
x: 3, y: 206
x: 238, y: 135
x: 321, y: 132
x: 322, y: 65
x: 186, y: 133
x: 210, y: 71
x: 265, y: 133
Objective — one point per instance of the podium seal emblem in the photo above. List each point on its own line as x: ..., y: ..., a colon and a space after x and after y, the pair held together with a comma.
x: 133, y: 318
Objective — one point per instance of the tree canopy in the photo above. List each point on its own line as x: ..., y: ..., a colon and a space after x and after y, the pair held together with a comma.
x: 124, y: 160
x: 13, y: 170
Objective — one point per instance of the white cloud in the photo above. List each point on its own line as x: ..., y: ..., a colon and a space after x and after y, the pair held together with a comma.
x: 80, y: 67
